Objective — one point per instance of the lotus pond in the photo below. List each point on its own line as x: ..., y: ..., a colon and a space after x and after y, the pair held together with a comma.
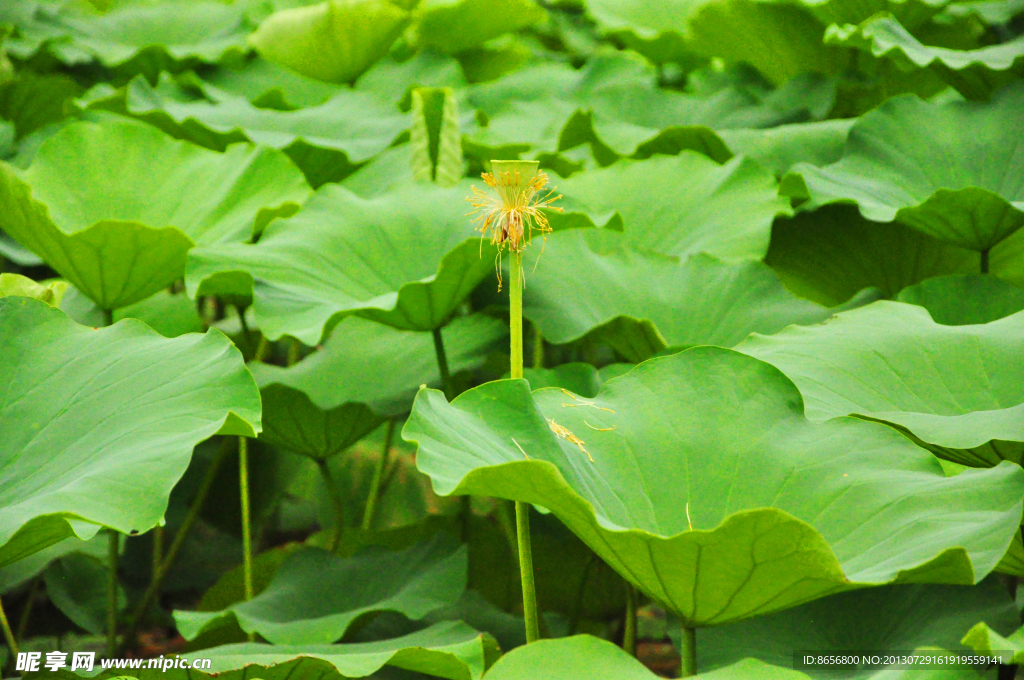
x: 511, y: 339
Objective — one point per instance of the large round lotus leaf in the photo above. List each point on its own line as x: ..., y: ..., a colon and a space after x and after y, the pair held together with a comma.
x: 614, y: 103
x: 957, y: 390
x: 266, y: 84
x: 326, y: 140
x: 587, y: 283
x: 984, y: 640
x: 407, y: 258
x: 583, y: 657
x: 685, y: 204
x: 965, y: 300
x: 365, y: 372
x: 140, y: 38
x: 832, y: 253
x: 392, y: 80
x: 315, y: 596
x: 904, y: 617
x: 85, y: 410
x: 454, y: 26
x: 976, y: 74
x: 334, y: 40
x: 120, y: 242
x: 780, y: 148
x: 951, y: 171
x: 766, y: 509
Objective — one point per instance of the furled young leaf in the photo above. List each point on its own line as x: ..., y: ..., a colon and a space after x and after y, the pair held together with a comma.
x: 685, y: 204
x: 64, y: 475
x: 830, y: 254
x: 965, y: 300
x: 592, y: 283
x: 315, y: 596
x: 325, y: 141
x: 16, y: 284
x: 955, y: 389
x: 454, y: 26
x: 976, y: 74
x: 948, y: 170
x: 334, y: 41
x: 766, y: 510
x: 407, y: 258
x: 436, y: 140
x: 77, y: 584
x: 903, y: 617
x: 120, y: 242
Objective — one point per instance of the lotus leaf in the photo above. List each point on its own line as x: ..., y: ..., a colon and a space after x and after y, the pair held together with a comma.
x: 814, y: 508
x: 985, y: 640
x: 393, y: 80
x: 456, y: 25
x: 16, y: 284
x: 701, y: 301
x: 268, y: 85
x: 155, y: 399
x: 334, y: 41
x: 903, y: 617
x: 120, y: 242
x: 77, y: 586
x: 407, y: 258
x: 976, y: 74
x: 315, y: 596
x: 953, y: 389
x: 685, y: 204
x: 326, y: 141
x: 780, y: 148
x: 965, y: 300
x: 919, y: 164
x: 168, y: 314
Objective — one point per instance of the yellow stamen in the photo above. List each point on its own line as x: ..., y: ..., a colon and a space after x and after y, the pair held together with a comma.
x: 564, y: 433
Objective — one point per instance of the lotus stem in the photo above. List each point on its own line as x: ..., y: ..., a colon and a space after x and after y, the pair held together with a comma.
x: 689, y: 651
x: 243, y: 482
x: 246, y: 337
x: 179, y: 540
x: 515, y: 325
x: 26, y: 611
x: 294, y: 352
x: 158, y: 549
x: 538, y: 347
x: 112, y: 557
x: 442, y: 365
x: 336, y: 501
x: 984, y: 261
x: 8, y: 635
x: 377, y: 486
x: 108, y: 317
x: 629, y: 628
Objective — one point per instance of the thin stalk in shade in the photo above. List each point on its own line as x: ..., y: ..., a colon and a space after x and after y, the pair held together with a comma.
x: 179, y: 540
x: 246, y: 337
x: 688, y: 652
x: 442, y: 365
x: 377, y: 485
x: 336, y: 501
x: 112, y: 550
x: 629, y: 627
x: 158, y: 550
x: 538, y: 347
x: 108, y: 317
x: 984, y: 262
x: 243, y: 482
x: 26, y: 611
x: 8, y: 635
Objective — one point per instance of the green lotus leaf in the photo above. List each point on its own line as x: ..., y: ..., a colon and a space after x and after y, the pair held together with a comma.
x: 407, y: 258
x: 909, y: 161
x: 953, y: 389
x: 685, y: 204
x: 614, y: 103
x: 121, y: 242
x: 984, y: 640
x: 63, y: 475
x: 454, y: 26
x: 334, y: 41
x: 579, y: 378
x: 581, y: 657
x: 902, y: 617
x: 325, y: 141
x: 268, y: 85
x: 77, y: 585
x: 830, y: 254
x: 141, y: 38
x: 976, y: 74
x: 315, y: 596
x: 32, y: 101
x: 814, y: 508
x: 168, y: 314
x: 586, y: 284
x: 965, y: 300
x: 393, y: 81
x: 19, y: 573
x: 992, y: 12
x: 16, y: 284
x: 780, y: 148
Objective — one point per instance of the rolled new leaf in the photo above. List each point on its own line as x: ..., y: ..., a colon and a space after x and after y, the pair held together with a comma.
x: 766, y: 509
x: 99, y: 425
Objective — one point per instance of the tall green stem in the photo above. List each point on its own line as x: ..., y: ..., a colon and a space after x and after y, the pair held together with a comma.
x: 522, y: 509
x: 8, y: 635
x: 442, y: 365
x: 689, y: 651
x: 157, y: 535
x: 336, y: 501
x: 243, y: 482
x: 629, y: 629
x: 26, y: 611
x: 246, y: 337
x: 984, y: 262
x: 108, y: 317
x: 112, y: 554
x: 376, y: 487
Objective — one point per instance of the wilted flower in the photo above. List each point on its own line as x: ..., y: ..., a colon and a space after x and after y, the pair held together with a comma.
x: 511, y: 210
